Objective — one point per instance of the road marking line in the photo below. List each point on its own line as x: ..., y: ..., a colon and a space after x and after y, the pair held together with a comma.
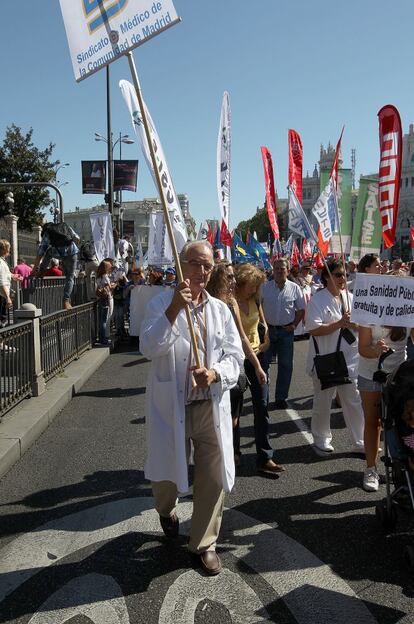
x: 309, y: 588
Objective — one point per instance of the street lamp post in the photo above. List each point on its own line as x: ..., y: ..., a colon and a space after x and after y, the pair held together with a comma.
x: 123, y: 138
x: 58, y: 208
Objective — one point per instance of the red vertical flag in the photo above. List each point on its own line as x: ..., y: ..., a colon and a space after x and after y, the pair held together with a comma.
x: 295, y: 152
x: 390, y: 136
x: 270, y: 191
x: 225, y: 235
x: 334, y: 171
x: 412, y: 239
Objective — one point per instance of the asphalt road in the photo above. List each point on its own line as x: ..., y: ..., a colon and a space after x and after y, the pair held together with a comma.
x: 81, y: 543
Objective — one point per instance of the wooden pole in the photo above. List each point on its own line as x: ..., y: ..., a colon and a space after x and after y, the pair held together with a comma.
x: 167, y: 220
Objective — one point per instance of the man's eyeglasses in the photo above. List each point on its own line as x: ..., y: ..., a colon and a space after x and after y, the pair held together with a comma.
x: 196, y: 266
x: 338, y: 274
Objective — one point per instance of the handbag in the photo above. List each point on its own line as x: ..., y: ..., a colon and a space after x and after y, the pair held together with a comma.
x: 331, y: 369
x: 242, y: 382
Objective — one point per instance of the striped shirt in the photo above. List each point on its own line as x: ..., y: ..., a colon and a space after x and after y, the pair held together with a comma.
x: 198, y: 316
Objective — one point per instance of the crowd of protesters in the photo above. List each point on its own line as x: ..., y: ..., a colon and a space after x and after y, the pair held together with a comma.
x: 268, y: 308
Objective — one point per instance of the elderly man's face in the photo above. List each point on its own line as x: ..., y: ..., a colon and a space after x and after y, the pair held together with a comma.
x: 197, y: 267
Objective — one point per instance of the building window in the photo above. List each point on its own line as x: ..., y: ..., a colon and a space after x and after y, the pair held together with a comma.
x: 412, y: 158
x: 406, y: 182
x: 412, y: 181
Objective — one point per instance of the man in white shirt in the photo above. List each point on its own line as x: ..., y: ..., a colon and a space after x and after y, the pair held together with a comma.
x: 284, y: 308
x: 186, y: 403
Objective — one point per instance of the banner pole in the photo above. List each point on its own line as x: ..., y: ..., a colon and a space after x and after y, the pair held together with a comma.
x: 342, y: 248
x: 135, y: 80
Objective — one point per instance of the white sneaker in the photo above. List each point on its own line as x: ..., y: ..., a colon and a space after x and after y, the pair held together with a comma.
x: 370, y: 482
x: 326, y: 448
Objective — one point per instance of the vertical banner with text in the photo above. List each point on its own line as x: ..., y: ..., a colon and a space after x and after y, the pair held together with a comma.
x: 344, y: 194
x: 102, y: 235
x: 366, y: 235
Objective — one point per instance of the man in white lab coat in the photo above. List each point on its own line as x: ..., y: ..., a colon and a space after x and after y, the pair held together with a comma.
x: 186, y: 403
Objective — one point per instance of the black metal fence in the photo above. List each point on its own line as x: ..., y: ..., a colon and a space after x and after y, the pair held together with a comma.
x: 16, y: 364
x: 46, y: 293
x: 64, y: 336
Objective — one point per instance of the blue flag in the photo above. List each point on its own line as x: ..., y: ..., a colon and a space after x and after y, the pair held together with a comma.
x: 240, y: 252
x: 258, y: 252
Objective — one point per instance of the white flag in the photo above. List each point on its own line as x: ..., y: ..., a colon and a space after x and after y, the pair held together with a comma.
x: 139, y: 256
x: 223, y: 164
x: 173, y: 205
x: 102, y: 234
x: 203, y: 231
x: 159, y: 248
x: 298, y: 221
x: 325, y: 211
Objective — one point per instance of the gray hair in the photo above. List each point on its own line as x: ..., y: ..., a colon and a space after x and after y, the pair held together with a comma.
x: 284, y: 260
x: 192, y: 244
x: 54, y: 262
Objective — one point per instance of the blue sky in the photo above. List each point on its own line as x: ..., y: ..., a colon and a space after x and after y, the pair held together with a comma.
x: 309, y: 65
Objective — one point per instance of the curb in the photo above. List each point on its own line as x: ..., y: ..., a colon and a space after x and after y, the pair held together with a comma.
x: 24, y: 424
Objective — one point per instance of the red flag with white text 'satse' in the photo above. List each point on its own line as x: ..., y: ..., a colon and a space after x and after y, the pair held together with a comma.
x: 270, y: 191
x: 295, y: 153
x: 390, y: 137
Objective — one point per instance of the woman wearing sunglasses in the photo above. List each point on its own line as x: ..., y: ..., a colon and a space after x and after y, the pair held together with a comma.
x: 328, y: 318
x: 373, y: 341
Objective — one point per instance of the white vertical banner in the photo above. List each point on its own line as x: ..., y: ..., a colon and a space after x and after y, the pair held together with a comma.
x: 174, y: 208
x: 223, y: 163
x: 102, y: 235
x: 159, y: 248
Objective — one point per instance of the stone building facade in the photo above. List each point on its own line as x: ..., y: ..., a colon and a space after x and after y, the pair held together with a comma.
x: 134, y: 220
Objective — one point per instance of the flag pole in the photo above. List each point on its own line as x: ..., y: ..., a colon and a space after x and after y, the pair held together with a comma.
x: 167, y: 220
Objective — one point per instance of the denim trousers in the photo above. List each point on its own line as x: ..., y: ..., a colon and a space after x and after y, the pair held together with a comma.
x: 103, y: 322
x: 281, y: 345
x: 260, y: 400
x: 68, y: 267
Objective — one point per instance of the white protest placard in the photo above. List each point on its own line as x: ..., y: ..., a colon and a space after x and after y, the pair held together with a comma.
x: 100, y: 31
x: 140, y: 297
x: 383, y: 300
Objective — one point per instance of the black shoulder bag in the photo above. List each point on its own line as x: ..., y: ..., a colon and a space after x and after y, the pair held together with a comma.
x: 331, y: 369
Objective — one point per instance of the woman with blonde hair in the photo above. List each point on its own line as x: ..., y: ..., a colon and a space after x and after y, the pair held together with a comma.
x: 222, y: 286
x: 104, y: 288
x: 249, y: 280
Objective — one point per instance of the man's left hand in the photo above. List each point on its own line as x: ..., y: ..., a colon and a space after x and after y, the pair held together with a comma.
x: 290, y: 328
x: 204, y: 377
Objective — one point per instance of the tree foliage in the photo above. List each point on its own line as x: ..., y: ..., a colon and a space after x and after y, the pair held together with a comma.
x: 22, y: 161
x: 259, y: 223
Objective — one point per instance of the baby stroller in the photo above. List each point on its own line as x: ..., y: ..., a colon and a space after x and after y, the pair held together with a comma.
x: 398, y: 388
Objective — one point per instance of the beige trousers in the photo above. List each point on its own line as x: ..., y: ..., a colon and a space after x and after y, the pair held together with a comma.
x: 208, y: 494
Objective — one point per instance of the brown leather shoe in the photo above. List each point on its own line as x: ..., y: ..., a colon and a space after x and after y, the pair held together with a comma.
x: 271, y: 467
x: 66, y: 304
x: 170, y: 526
x: 210, y: 562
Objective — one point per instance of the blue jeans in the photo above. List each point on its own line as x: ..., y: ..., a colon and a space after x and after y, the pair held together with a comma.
x: 103, y: 322
x: 281, y: 345
x: 260, y: 400
x: 68, y: 267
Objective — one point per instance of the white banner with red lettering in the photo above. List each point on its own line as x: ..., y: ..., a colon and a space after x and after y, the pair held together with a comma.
x: 390, y: 136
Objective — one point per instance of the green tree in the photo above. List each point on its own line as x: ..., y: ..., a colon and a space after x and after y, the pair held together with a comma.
x: 21, y: 161
x: 259, y: 223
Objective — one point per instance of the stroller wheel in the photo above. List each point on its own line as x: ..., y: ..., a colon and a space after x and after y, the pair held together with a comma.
x: 386, y: 518
x: 409, y: 557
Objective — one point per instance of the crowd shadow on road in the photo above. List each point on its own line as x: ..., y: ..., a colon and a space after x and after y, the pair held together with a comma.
x: 50, y: 504
x: 113, y: 392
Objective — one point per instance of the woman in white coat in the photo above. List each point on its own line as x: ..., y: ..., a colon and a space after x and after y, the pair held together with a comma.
x: 185, y: 403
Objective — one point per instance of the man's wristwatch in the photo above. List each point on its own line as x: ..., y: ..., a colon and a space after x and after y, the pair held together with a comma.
x: 217, y: 377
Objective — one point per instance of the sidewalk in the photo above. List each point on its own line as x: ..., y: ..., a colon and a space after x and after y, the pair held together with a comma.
x: 27, y: 421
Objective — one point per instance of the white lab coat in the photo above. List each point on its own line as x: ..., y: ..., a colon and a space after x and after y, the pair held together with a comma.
x: 168, y: 346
